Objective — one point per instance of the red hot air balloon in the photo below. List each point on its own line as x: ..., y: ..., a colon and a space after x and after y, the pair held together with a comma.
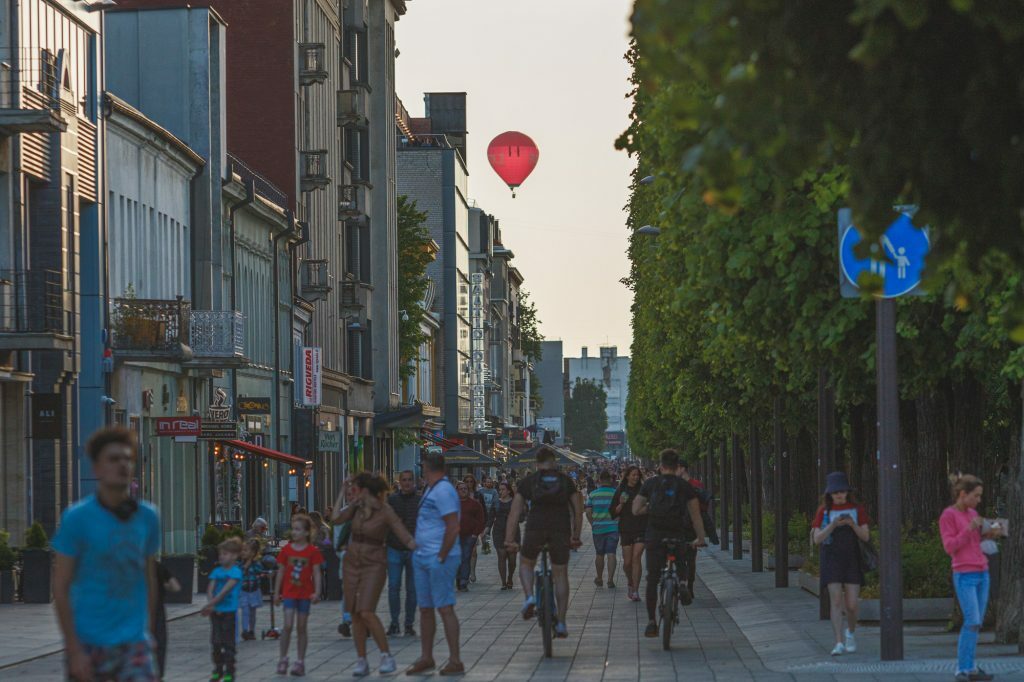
x: 513, y: 157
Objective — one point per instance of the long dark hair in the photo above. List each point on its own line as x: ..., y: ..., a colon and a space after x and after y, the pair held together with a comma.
x: 376, y: 485
x: 624, y: 481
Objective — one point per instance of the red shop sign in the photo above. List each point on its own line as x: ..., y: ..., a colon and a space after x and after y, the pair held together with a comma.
x: 178, y: 426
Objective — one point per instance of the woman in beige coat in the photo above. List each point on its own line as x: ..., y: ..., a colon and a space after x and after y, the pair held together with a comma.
x: 365, y: 567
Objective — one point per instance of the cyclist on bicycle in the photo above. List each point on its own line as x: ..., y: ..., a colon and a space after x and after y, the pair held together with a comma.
x: 555, y: 519
x: 673, y: 512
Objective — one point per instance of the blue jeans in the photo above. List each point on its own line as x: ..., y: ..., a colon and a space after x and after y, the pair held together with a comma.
x: 466, y: 544
x: 972, y: 592
x: 399, y: 560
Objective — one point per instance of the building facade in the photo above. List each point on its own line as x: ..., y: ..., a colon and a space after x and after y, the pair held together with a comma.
x: 611, y: 371
x: 549, y: 373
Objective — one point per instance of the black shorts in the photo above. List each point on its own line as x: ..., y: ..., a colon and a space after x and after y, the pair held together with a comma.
x: 556, y: 539
x: 631, y: 537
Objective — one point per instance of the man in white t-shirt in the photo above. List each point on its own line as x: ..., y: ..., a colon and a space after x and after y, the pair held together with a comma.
x: 435, y: 563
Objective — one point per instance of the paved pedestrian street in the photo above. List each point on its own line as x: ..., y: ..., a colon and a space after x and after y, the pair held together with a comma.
x: 739, y: 628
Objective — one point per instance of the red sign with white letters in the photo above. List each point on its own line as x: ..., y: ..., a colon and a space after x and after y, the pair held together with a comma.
x: 178, y: 426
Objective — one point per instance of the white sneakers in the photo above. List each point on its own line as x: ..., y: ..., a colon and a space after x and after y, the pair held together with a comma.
x: 362, y: 668
x: 838, y: 650
x: 387, y: 664
x: 851, y: 643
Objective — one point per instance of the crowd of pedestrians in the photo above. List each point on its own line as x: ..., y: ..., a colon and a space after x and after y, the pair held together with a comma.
x: 109, y: 586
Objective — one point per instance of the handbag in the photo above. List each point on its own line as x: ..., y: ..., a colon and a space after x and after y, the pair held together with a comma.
x: 868, y: 556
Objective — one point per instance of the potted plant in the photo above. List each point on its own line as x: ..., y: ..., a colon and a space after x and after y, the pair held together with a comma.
x: 207, y: 556
x: 6, y: 569
x: 182, y: 568
x: 37, y: 561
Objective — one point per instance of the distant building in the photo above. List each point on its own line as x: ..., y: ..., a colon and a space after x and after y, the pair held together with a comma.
x: 549, y: 372
x: 611, y: 371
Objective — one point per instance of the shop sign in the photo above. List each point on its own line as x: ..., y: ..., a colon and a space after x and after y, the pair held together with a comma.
x: 329, y: 441
x: 226, y: 430
x: 310, y: 372
x: 253, y: 405
x: 47, y: 411
x: 178, y: 426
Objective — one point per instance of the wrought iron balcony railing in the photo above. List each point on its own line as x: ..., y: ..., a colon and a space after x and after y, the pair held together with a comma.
x: 217, y: 334
x: 32, y: 301
x: 150, y: 326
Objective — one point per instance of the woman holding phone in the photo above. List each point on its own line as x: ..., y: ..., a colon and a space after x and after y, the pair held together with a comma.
x: 839, y: 527
x: 631, y: 529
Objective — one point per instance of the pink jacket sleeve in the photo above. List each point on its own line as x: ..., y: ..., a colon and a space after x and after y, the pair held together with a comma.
x: 954, y: 538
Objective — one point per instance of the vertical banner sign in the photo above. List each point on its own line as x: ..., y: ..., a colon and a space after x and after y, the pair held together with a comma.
x: 477, y: 348
x: 311, y: 375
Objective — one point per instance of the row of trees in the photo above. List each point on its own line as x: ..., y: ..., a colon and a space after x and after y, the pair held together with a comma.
x: 758, y: 121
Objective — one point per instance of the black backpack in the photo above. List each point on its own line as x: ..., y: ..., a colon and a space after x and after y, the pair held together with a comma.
x: 549, y: 487
x: 666, y: 507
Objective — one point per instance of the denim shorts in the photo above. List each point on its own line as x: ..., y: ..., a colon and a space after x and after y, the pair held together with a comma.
x: 435, y: 582
x: 252, y: 600
x: 606, y: 543
x: 300, y: 605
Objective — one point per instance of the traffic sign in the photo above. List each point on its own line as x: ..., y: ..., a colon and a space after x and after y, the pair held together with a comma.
x: 898, y: 258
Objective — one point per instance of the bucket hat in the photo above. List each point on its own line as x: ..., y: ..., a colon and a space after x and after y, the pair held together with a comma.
x: 837, y: 482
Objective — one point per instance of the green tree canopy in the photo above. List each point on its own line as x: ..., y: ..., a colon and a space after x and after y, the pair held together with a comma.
x: 585, y: 417
x: 413, y: 258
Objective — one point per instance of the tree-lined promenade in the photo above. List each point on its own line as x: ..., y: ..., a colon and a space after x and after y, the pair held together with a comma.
x: 754, y: 123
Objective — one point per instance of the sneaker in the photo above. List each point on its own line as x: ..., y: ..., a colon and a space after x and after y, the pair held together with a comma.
x: 561, y: 631
x: 362, y: 668
x: 387, y: 664
x: 298, y: 669
x: 393, y: 630
x: 652, y: 629
x: 282, y: 666
x: 345, y: 629
x: 851, y: 643
x: 410, y: 631
x: 962, y: 677
x: 685, y: 596
x: 598, y: 582
x: 979, y: 675
x: 215, y: 677
x: 839, y: 649
x: 529, y: 606
x: 611, y: 584
x: 227, y: 677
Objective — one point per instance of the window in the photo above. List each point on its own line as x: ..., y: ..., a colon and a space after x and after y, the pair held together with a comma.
x: 355, y: 352
x: 357, y: 153
x: 355, y: 53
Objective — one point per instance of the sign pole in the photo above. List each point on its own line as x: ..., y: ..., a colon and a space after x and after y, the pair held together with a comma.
x: 889, y: 490
x: 826, y: 459
x: 781, y: 508
x: 737, y: 502
x: 756, y: 491
x: 723, y: 496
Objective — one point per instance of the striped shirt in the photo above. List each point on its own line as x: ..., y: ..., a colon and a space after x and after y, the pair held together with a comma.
x: 599, y: 503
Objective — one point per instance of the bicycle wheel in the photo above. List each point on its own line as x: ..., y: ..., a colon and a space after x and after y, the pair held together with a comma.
x: 668, y: 611
x: 545, y: 614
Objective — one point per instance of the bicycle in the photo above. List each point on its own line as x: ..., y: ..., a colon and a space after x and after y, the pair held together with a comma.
x: 668, y: 597
x: 544, y: 594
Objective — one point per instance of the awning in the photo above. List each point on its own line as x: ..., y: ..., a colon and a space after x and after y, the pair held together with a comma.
x: 565, y: 457
x: 266, y: 452
x: 410, y: 416
x: 460, y: 455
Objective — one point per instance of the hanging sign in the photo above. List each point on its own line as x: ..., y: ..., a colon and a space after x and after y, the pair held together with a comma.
x: 310, y: 372
x: 178, y: 426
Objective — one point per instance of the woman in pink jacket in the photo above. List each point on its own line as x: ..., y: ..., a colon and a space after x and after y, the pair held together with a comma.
x: 960, y: 527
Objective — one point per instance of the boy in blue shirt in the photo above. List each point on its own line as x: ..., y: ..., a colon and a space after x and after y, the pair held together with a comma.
x: 223, y: 592
x: 104, y: 576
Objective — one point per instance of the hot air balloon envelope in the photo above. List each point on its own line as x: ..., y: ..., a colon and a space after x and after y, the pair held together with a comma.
x: 513, y: 157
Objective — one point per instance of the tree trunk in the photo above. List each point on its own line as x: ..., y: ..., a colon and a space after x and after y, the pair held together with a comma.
x: 1010, y: 610
x: 968, y: 427
x: 924, y: 459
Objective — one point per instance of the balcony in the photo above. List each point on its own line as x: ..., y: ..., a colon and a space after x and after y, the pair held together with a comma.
x: 33, y: 312
x: 28, y: 105
x: 352, y: 109
x: 150, y: 329
x: 316, y: 279
x: 312, y: 63
x: 349, y: 303
x: 217, y: 338
x: 314, y: 170
x: 351, y: 201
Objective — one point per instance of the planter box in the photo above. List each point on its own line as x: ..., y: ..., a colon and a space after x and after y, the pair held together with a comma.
x: 207, y: 562
x: 35, y: 576
x: 940, y: 609
x: 810, y: 583
x: 6, y: 587
x: 182, y: 567
x: 796, y: 561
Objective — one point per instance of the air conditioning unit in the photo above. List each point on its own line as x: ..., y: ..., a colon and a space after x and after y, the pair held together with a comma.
x: 312, y: 63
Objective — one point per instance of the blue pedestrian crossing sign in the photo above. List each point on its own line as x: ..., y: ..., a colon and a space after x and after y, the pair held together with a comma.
x: 898, y: 258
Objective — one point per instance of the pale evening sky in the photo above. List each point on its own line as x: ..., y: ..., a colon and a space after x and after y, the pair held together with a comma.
x: 552, y: 69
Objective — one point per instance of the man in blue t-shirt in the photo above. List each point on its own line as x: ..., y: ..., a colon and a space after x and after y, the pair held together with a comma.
x: 435, y: 562
x: 104, y: 578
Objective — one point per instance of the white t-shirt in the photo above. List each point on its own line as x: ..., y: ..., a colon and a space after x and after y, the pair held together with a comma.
x: 438, y: 501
